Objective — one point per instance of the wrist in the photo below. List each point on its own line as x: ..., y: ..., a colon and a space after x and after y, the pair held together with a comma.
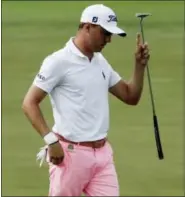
x: 140, y: 63
x: 139, y: 67
x: 50, y: 138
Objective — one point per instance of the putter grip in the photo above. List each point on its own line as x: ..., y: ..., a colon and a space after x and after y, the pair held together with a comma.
x: 157, y: 138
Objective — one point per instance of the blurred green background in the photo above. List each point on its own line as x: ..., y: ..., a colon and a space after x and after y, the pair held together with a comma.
x: 32, y: 30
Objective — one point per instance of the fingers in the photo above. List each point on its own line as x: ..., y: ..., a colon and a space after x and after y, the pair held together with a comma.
x: 145, y: 52
x: 140, y: 48
x: 56, y: 160
x: 56, y: 153
x: 138, y: 39
x: 142, y: 51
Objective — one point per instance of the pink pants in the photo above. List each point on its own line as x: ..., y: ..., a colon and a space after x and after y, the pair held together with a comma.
x: 84, y: 170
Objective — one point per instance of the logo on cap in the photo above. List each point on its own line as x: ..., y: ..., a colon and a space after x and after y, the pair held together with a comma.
x: 95, y: 19
x: 112, y: 18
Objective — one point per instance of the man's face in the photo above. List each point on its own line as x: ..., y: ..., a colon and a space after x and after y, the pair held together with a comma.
x: 97, y: 37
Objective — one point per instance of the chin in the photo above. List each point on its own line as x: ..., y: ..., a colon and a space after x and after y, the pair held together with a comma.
x: 98, y: 50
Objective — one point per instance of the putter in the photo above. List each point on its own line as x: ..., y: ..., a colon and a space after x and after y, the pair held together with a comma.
x: 141, y: 16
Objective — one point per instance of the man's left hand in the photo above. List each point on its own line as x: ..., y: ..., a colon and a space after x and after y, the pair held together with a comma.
x: 142, y: 52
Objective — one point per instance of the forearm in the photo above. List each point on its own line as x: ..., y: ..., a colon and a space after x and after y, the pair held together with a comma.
x: 130, y: 92
x: 34, y: 115
x: 135, y: 85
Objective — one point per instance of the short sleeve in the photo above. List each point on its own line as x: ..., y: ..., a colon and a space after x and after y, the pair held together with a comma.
x: 50, y: 74
x: 114, y: 77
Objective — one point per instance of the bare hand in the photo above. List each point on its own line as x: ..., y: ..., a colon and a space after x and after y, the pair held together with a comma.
x: 56, y: 153
x: 142, y: 52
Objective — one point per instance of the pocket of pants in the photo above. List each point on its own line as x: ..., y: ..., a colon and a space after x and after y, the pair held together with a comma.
x: 110, y: 148
x: 66, y: 159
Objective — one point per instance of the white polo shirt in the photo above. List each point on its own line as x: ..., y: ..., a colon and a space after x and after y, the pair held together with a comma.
x: 78, y: 91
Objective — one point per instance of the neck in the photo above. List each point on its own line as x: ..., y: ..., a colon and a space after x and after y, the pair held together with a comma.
x: 81, y: 44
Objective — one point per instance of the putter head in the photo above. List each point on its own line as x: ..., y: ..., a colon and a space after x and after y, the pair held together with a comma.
x: 142, y: 15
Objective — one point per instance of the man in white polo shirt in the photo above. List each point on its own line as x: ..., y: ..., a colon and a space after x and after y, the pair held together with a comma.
x: 77, y: 79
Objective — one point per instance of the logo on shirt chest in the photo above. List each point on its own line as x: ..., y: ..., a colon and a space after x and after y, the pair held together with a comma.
x: 103, y: 75
x: 82, y: 81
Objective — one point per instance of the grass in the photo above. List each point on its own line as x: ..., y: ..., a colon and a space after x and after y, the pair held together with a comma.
x: 32, y: 30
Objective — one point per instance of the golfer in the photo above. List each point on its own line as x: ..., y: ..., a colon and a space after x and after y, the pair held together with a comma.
x: 78, y: 79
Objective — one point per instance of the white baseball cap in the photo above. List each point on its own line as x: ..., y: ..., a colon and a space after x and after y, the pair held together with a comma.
x: 104, y: 16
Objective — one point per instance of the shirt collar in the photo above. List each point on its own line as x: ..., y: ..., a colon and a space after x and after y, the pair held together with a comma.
x: 74, y: 49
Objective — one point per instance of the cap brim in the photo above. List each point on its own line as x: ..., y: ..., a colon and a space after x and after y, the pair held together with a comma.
x: 114, y: 30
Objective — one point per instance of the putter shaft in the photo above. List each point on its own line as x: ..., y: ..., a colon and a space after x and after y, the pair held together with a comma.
x: 148, y: 72
x: 155, y: 121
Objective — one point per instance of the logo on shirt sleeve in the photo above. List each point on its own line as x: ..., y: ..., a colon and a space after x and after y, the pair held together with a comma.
x: 41, y: 77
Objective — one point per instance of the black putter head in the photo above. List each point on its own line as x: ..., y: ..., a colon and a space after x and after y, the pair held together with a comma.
x: 142, y: 15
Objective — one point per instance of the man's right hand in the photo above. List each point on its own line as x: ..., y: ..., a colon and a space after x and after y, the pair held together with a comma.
x: 56, y: 153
